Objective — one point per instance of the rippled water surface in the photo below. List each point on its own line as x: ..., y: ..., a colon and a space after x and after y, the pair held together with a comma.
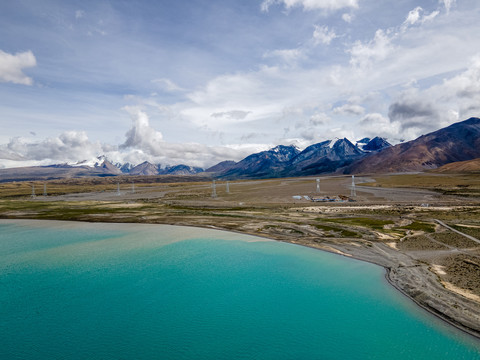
x: 121, y: 291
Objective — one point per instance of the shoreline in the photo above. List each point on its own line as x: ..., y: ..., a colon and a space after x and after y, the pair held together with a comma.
x: 404, y: 284
x: 438, y: 314
x: 452, y: 321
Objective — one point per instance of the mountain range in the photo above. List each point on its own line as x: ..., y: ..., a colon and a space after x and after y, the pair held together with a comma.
x: 147, y: 168
x: 457, y: 142
x: 281, y: 161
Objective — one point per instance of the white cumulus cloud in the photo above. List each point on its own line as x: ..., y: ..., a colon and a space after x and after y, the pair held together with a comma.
x: 456, y: 98
x: 141, y: 135
x: 417, y: 16
x: 11, y: 67
x: 323, y: 35
x: 377, y: 49
x: 69, y: 146
x: 413, y: 16
x: 375, y: 124
x: 144, y: 143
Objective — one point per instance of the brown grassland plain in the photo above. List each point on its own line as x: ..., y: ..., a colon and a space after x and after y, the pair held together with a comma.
x: 421, y: 227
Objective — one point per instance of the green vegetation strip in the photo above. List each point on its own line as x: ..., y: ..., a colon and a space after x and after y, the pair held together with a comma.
x: 340, y: 231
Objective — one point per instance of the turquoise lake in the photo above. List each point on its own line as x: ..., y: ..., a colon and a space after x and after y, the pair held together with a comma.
x: 121, y: 291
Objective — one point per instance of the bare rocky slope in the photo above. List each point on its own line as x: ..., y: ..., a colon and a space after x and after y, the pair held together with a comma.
x: 457, y: 142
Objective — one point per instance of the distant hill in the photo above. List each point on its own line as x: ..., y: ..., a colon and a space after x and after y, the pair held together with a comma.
x: 457, y: 142
x: 102, y: 169
x: 460, y: 167
x: 108, y: 168
x: 221, y: 166
x: 52, y: 172
x: 144, y: 168
x: 180, y: 170
x: 147, y: 168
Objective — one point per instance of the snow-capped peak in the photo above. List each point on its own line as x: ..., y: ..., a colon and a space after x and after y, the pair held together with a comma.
x: 332, y: 142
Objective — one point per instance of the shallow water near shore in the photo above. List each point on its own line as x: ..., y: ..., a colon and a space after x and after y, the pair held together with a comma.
x: 122, y: 291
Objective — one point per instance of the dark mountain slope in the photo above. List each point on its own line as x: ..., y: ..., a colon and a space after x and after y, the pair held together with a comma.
x: 264, y: 164
x: 221, y: 167
x: 376, y: 144
x: 180, y: 170
x: 323, y: 158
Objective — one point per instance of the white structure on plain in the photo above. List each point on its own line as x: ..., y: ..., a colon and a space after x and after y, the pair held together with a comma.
x: 353, y: 192
x: 214, y: 189
x: 118, y: 189
x: 228, y: 187
x: 44, y: 189
x: 318, y: 185
x: 33, y: 191
x: 133, y: 187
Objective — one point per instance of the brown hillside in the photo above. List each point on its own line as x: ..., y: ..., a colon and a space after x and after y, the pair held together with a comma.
x: 457, y: 142
x: 459, y: 167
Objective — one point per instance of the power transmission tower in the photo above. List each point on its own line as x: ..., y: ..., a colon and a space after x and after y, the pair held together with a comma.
x: 318, y: 185
x: 45, y: 189
x: 353, y: 192
x: 214, y: 189
x: 228, y: 187
x: 133, y: 187
x: 33, y: 191
x: 118, y: 189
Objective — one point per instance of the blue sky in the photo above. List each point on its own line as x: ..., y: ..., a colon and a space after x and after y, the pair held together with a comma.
x: 202, y: 81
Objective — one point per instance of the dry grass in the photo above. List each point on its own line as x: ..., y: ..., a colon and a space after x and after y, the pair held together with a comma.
x: 447, y: 184
x: 12, y: 190
x: 463, y: 271
x: 419, y: 243
x: 453, y: 239
x: 469, y: 230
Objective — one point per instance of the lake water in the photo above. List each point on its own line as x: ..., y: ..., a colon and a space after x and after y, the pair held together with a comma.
x: 120, y: 291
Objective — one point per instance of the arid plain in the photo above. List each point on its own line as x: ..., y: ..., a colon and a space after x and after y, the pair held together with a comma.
x: 423, y: 228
